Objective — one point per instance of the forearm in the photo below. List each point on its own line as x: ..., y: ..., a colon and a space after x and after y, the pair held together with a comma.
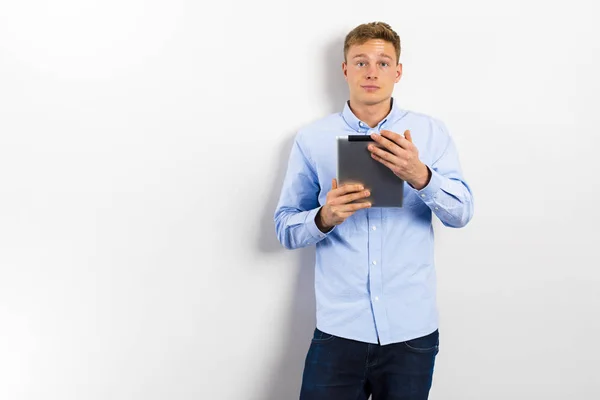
x: 449, y: 198
x: 296, y: 229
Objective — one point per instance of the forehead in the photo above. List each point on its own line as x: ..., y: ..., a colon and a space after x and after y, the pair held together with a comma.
x: 372, y: 48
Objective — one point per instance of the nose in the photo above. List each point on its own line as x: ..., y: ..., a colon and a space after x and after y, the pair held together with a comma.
x: 372, y: 72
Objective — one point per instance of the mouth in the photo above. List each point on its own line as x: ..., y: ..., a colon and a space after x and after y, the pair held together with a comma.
x: 370, y: 88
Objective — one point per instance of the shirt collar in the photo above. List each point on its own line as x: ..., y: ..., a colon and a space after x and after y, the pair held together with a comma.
x: 360, y: 126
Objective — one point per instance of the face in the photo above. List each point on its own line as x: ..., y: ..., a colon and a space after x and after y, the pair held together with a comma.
x: 371, y: 71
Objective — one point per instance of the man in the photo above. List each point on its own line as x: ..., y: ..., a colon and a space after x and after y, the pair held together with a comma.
x: 375, y: 283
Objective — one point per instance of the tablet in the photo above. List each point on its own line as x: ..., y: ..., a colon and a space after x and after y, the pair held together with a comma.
x: 355, y: 165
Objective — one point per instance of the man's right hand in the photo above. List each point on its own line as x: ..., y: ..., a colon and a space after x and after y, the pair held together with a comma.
x: 337, y: 207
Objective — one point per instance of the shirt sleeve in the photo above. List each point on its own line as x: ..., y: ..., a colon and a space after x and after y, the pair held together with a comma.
x: 447, y: 194
x: 298, y: 202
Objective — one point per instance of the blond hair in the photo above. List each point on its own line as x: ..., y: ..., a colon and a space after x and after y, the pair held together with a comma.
x: 372, y: 30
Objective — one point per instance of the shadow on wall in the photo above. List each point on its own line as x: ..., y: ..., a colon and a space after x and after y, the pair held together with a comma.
x: 283, y: 381
x: 333, y: 81
x: 336, y: 85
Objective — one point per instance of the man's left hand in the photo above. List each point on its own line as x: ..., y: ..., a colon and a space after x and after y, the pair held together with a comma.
x: 401, y: 156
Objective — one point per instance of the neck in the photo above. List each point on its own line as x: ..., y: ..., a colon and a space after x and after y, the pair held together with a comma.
x: 371, y: 114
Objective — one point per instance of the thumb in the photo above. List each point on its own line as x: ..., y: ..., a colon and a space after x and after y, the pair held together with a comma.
x: 334, y: 183
x: 407, y: 135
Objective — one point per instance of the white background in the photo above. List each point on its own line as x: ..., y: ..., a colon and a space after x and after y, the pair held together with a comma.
x: 143, y: 147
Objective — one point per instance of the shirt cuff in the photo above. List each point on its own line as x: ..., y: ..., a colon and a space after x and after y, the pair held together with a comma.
x: 312, y: 227
x: 434, y: 185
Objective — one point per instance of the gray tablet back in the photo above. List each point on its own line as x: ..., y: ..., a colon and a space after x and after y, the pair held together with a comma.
x: 355, y: 165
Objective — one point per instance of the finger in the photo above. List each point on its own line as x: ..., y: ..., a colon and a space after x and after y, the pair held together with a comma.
x: 350, y: 209
x: 344, y: 216
x: 398, y: 139
x: 346, y: 210
x: 395, y: 169
x: 385, y: 143
x: 407, y: 135
x: 393, y: 136
x: 386, y: 155
x: 344, y: 189
x: 348, y: 198
x: 334, y: 183
x: 353, y: 207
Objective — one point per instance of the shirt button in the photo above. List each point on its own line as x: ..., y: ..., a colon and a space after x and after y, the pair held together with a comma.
x: 437, y: 208
x: 374, y: 228
x: 376, y: 298
x: 422, y: 195
x: 374, y: 262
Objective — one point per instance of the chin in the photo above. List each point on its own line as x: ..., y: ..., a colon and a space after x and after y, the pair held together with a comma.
x: 373, y: 99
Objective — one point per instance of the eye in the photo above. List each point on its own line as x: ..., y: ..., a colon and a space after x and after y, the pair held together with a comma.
x: 385, y: 64
x: 361, y: 63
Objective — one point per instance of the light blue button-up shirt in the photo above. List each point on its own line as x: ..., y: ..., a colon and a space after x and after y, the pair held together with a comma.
x: 375, y: 277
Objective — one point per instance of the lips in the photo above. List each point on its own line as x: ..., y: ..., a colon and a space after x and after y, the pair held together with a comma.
x: 370, y: 88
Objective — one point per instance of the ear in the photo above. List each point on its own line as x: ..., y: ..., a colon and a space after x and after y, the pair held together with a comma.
x: 398, y: 72
x: 345, y: 70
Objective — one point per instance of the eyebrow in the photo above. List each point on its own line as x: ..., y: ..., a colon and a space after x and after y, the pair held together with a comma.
x: 380, y: 54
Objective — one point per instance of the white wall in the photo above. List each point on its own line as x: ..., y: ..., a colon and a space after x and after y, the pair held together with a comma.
x: 142, y: 149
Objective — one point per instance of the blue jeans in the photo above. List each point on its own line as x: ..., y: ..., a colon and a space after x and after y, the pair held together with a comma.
x: 343, y: 369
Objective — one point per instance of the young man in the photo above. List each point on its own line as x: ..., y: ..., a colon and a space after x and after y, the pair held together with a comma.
x: 375, y: 282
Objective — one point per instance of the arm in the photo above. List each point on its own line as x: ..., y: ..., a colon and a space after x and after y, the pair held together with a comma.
x: 298, y: 204
x: 447, y: 194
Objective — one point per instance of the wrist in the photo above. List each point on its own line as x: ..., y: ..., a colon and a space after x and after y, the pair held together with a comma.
x: 423, y: 178
x: 320, y: 222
